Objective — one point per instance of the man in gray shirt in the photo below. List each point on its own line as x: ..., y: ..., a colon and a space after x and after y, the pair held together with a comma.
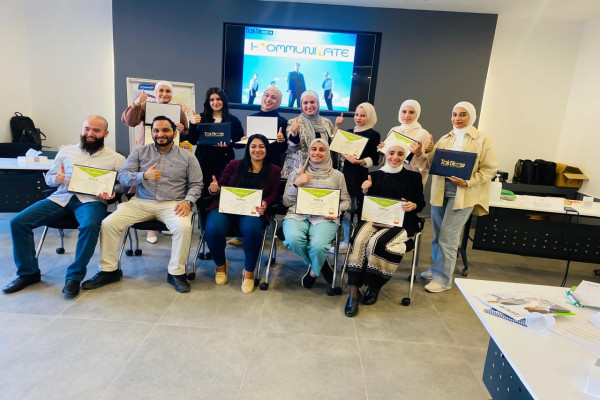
x: 169, y: 181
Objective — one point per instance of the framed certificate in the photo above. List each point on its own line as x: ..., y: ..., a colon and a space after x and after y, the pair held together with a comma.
x: 453, y: 163
x: 381, y: 210
x: 399, y: 136
x: 211, y: 134
x: 348, y: 143
x: 92, y: 181
x: 240, y: 201
x: 313, y: 201
x: 171, y: 111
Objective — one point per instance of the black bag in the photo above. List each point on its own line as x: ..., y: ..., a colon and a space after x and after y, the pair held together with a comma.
x: 524, y: 171
x: 545, y: 172
x: 24, y: 131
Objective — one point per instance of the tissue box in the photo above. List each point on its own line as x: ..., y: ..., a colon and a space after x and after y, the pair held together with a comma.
x: 28, y: 160
x: 567, y: 176
x: 593, y: 381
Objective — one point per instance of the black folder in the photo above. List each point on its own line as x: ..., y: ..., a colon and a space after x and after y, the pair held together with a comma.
x: 453, y: 163
x: 210, y: 134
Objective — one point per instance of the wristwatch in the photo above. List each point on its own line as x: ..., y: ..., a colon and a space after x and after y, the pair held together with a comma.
x: 191, y: 203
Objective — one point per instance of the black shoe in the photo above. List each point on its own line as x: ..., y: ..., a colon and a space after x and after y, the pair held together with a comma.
x: 179, y: 282
x: 327, y: 272
x: 71, y: 288
x: 370, y: 297
x: 351, y: 307
x: 308, y: 280
x: 102, y: 278
x: 21, y: 283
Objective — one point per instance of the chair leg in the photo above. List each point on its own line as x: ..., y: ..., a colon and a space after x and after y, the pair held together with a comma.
x: 61, y: 239
x: 39, y: 248
x: 335, y: 290
x: 137, y: 251
x: 192, y: 275
x: 129, y: 252
x: 122, y: 247
x: 265, y: 284
x: 415, y: 261
x: 262, y: 248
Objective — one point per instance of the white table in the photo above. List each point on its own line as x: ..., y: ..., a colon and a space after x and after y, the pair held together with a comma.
x: 550, y: 366
x: 21, y: 184
x: 12, y: 164
x: 519, y: 204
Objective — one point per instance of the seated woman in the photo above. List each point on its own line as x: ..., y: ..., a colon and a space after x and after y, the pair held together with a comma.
x: 309, y: 236
x: 254, y: 171
x: 378, y: 249
x: 302, y: 130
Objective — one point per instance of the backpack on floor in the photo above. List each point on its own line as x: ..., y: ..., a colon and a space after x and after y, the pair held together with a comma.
x: 24, y: 131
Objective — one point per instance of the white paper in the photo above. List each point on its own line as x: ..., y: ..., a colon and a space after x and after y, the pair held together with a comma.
x: 92, y: 181
x: 579, y: 331
x: 348, y: 143
x: 171, y: 111
x: 313, y: 201
x: 240, y: 201
x: 588, y: 293
x: 266, y: 126
x: 550, y: 203
x: 382, y: 210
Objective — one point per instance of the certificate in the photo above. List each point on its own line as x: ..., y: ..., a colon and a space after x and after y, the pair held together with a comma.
x: 171, y: 111
x: 240, y: 201
x: 348, y: 143
x: 266, y: 126
x: 381, y: 210
x: 313, y: 201
x: 93, y: 181
x: 399, y: 136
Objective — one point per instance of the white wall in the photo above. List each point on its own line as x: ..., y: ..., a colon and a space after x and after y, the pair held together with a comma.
x: 528, y: 85
x: 579, y: 143
x: 64, y: 69
x: 14, y: 67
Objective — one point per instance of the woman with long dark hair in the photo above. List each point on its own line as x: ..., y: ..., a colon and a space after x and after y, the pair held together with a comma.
x: 254, y: 171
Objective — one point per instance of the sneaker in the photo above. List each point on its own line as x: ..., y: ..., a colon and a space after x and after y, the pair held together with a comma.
x: 342, y: 249
x: 435, y: 287
x: 235, y: 242
x: 327, y: 272
x: 102, y: 278
x: 427, y: 275
x: 308, y: 280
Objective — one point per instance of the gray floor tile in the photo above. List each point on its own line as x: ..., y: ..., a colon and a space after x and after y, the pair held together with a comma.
x: 417, y: 371
x: 71, y: 359
x: 180, y: 362
x: 17, y: 328
x: 303, y: 367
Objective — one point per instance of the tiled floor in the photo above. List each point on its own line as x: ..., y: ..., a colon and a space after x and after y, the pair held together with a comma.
x: 140, y: 339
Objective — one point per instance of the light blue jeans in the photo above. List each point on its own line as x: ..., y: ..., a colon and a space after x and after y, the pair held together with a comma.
x: 314, y: 250
x: 447, y: 226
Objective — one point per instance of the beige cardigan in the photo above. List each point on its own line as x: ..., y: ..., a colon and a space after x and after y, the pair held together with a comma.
x: 477, y: 193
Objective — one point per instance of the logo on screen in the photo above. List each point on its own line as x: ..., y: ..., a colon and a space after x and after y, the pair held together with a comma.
x: 260, y: 31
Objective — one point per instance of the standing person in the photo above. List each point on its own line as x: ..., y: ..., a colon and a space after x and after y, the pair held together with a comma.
x: 302, y: 130
x: 169, y: 182
x: 296, y: 85
x: 378, y: 249
x: 88, y: 210
x: 356, y: 169
x: 454, y: 199
x: 317, y: 172
x: 213, y: 159
x: 271, y: 100
x: 408, y: 116
x: 253, y: 88
x: 254, y: 171
x: 136, y: 113
x: 328, y: 91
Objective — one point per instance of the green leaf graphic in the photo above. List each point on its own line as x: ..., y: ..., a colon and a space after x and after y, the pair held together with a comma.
x: 318, y: 193
x: 93, y: 172
x: 382, y: 202
x: 350, y: 136
x: 240, y: 192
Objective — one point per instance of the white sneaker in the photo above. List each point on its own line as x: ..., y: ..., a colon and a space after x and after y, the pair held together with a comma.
x: 435, y: 287
x: 427, y: 275
x: 343, y: 248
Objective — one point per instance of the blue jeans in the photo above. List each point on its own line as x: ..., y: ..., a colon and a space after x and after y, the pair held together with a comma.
x: 447, y: 225
x: 314, y: 250
x: 89, y: 215
x: 252, y: 229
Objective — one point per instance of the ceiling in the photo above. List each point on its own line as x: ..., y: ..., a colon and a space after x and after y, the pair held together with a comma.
x: 572, y: 10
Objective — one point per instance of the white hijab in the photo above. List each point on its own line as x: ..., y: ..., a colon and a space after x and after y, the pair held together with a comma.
x: 392, y: 143
x: 371, y: 117
x: 472, y: 116
x: 413, y: 125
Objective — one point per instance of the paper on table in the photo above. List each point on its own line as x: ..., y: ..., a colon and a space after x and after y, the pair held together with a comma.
x: 266, y: 126
x: 348, y: 143
x: 551, y: 203
x: 382, y: 210
x: 240, y: 201
x: 588, y: 294
x: 579, y: 331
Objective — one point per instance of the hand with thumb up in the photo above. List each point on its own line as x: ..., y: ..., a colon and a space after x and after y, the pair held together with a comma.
x: 303, y: 178
x: 153, y: 174
x: 214, y: 186
x: 339, y: 120
x: 197, y: 118
x: 366, y: 185
x: 60, y: 176
x: 140, y: 99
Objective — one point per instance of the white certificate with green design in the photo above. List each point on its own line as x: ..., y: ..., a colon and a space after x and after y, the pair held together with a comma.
x: 313, y: 201
x: 348, y: 143
x: 240, y: 201
x: 381, y: 210
x: 93, y: 181
x: 399, y: 136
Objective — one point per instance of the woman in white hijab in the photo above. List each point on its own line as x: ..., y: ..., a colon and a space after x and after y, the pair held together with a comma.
x: 453, y: 199
x: 378, y: 249
x: 302, y: 130
x: 408, y: 116
x: 317, y: 172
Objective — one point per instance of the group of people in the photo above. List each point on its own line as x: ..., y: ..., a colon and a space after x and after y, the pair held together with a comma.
x: 169, y: 180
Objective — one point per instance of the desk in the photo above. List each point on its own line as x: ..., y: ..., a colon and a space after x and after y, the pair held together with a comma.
x: 21, y: 185
x: 548, y: 365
